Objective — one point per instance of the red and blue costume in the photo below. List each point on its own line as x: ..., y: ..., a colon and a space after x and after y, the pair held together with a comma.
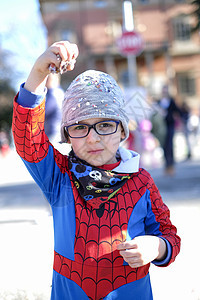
x: 87, y: 264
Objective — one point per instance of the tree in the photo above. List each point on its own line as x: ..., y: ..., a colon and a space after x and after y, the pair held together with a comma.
x: 6, y: 93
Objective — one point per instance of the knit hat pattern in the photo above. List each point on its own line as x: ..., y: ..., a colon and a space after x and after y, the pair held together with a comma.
x: 93, y: 94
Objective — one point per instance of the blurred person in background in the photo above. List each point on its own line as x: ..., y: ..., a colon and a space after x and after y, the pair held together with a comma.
x: 170, y: 111
x: 158, y: 124
x: 130, y: 142
x: 194, y: 124
x: 54, y: 98
x: 185, y: 110
x: 4, y: 143
x: 146, y: 145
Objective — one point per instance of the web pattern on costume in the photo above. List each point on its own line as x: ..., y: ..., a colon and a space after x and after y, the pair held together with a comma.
x: 28, y: 131
x: 98, y: 267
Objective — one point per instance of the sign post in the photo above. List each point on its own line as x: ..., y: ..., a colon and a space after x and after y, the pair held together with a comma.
x: 130, y: 43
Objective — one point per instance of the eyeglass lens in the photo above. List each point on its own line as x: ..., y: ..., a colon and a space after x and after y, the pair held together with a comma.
x: 102, y: 128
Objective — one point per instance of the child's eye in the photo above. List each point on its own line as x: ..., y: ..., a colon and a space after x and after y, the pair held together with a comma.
x: 104, y: 125
x: 79, y: 127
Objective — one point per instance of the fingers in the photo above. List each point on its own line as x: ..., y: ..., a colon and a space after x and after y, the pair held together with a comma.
x: 64, y: 56
x: 133, y: 257
x: 67, y: 51
x: 135, y: 264
x: 127, y: 245
x: 129, y: 253
x: 142, y: 250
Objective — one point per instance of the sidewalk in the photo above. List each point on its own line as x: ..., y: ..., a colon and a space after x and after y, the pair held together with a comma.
x: 181, y: 279
x: 13, y: 170
x: 26, y: 235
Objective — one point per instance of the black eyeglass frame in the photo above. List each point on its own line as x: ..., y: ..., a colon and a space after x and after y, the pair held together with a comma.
x: 90, y: 127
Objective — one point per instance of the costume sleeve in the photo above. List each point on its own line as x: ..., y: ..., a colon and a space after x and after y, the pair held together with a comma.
x: 29, y: 99
x: 164, y: 228
x: 28, y: 131
x: 46, y: 165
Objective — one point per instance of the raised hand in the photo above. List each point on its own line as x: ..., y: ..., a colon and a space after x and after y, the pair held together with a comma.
x: 59, y: 57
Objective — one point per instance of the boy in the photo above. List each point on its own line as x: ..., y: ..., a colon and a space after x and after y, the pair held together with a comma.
x: 109, y: 219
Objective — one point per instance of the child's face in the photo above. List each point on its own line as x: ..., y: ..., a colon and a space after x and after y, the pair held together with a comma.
x: 97, y: 149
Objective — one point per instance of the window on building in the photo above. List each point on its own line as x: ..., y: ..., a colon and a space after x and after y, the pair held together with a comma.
x: 186, y: 84
x: 100, y: 4
x: 62, y: 6
x: 68, y: 35
x: 143, y: 1
x: 180, y: 1
x: 182, y: 29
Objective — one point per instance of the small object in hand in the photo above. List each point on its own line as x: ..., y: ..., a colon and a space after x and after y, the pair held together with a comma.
x: 63, y: 66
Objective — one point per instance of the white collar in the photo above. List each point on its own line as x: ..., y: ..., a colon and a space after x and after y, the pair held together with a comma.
x: 129, y: 161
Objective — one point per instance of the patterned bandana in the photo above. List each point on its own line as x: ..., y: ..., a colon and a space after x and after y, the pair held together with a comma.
x: 95, y: 185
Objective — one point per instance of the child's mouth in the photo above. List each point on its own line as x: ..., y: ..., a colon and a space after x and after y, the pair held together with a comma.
x: 97, y: 151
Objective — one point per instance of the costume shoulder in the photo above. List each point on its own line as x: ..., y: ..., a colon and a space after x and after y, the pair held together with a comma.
x: 31, y: 142
x: 144, y: 176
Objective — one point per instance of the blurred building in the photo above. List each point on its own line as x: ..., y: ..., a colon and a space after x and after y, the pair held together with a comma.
x: 171, y: 52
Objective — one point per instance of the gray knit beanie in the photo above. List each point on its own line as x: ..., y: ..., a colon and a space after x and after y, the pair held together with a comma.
x: 93, y: 94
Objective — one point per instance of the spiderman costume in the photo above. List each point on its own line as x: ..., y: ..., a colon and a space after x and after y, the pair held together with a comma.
x: 87, y: 264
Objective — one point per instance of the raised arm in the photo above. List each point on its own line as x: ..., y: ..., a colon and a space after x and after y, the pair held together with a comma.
x: 29, y: 113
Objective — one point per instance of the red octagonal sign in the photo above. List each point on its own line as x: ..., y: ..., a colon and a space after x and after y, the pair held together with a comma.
x: 130, y: 42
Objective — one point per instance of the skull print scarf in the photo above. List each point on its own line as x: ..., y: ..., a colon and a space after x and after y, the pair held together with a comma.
x: 95, y: 185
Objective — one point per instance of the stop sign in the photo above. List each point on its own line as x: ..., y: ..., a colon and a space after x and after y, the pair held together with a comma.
x: 130, y: 42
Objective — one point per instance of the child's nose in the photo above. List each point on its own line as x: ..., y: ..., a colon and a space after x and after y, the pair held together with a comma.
x: 93, y: 136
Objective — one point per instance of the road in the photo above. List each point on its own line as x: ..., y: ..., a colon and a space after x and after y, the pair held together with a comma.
x: 26, y: 234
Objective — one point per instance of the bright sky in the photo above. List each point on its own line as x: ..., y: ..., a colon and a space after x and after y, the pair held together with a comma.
x: 23, y: 33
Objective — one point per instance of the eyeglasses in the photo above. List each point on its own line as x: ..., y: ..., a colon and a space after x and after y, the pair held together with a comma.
x: 82, y: 130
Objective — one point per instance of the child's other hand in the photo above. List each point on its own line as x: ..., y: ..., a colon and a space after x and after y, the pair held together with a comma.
x: 142, y: 250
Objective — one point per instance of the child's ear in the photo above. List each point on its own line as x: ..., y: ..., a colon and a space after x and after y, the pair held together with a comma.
x: 122, y: 134
x: 67, y: 138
